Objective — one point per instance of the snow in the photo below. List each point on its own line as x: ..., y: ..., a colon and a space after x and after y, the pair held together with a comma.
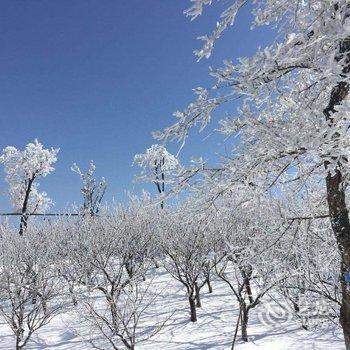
x: 214, y: 329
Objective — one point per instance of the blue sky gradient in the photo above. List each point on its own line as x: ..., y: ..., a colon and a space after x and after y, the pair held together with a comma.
x: 95, y: 77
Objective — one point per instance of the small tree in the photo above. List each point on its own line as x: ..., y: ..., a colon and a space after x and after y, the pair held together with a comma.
x: 108, y: 257
x: 158, y: 166
x: 30, y: 289
x: 22, y: 169
x: 312, y: 287
x: 251, y: 263
x: 92, y: 192
x: 187, y: 246
x: 121, y: 325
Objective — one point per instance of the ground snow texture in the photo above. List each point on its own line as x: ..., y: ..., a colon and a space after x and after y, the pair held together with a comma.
x: 214, y: 329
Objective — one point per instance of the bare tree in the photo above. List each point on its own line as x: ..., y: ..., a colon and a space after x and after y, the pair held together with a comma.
x: 250, y: 264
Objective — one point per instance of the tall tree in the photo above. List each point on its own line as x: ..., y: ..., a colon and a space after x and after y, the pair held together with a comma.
x: 293, y: 123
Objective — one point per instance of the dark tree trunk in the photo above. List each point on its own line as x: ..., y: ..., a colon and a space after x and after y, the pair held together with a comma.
x: 18, y: 347
x: 247, y: 275
x: 236, y: 329
x: 341, y: 227
x: 129, y: 266
x: 192, y: 309
x: 23, y: 224
x: 156, y: 265
x: 339, y: 214
x: 210, y: 288
x: 198, y: 295
x: 24, y: 217
x: 74, y: 299
x: 244, y: 321
x: 19, y: 340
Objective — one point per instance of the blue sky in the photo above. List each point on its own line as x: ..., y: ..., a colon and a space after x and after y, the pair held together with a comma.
x: 95, y: 77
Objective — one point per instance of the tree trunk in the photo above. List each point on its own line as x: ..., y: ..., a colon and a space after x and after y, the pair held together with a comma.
x: 20, y: 344
x: 236, y: 329
x: 24, y: 217
x: 23, y: 224
x: 192, y: 309
x: 129, y: 266
x: 244, y: 321
x: 210, y: 288
x: 341, y: 227
x: 198, y: 296
x: 247, y: 275
x: 339, y: 214
x: 155, y: 262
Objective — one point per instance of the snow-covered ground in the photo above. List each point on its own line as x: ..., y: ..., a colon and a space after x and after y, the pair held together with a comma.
x: 214, y: 329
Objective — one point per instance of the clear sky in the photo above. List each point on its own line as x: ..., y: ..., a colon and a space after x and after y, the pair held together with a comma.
x: 95, y: 77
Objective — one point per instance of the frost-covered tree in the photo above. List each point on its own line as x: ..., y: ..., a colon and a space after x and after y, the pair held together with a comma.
x: 293, y: 123
x: 107, y: 257
x: 312, y: 288
x: 92, y: 191
x: 23, y: 168
x: 31, y: 292
x: 250, y: 255
x: 158, y: 166
x: 188, y: 245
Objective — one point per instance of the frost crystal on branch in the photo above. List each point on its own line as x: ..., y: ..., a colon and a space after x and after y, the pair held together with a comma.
x: 156, y: 155
x: 285, y: 89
